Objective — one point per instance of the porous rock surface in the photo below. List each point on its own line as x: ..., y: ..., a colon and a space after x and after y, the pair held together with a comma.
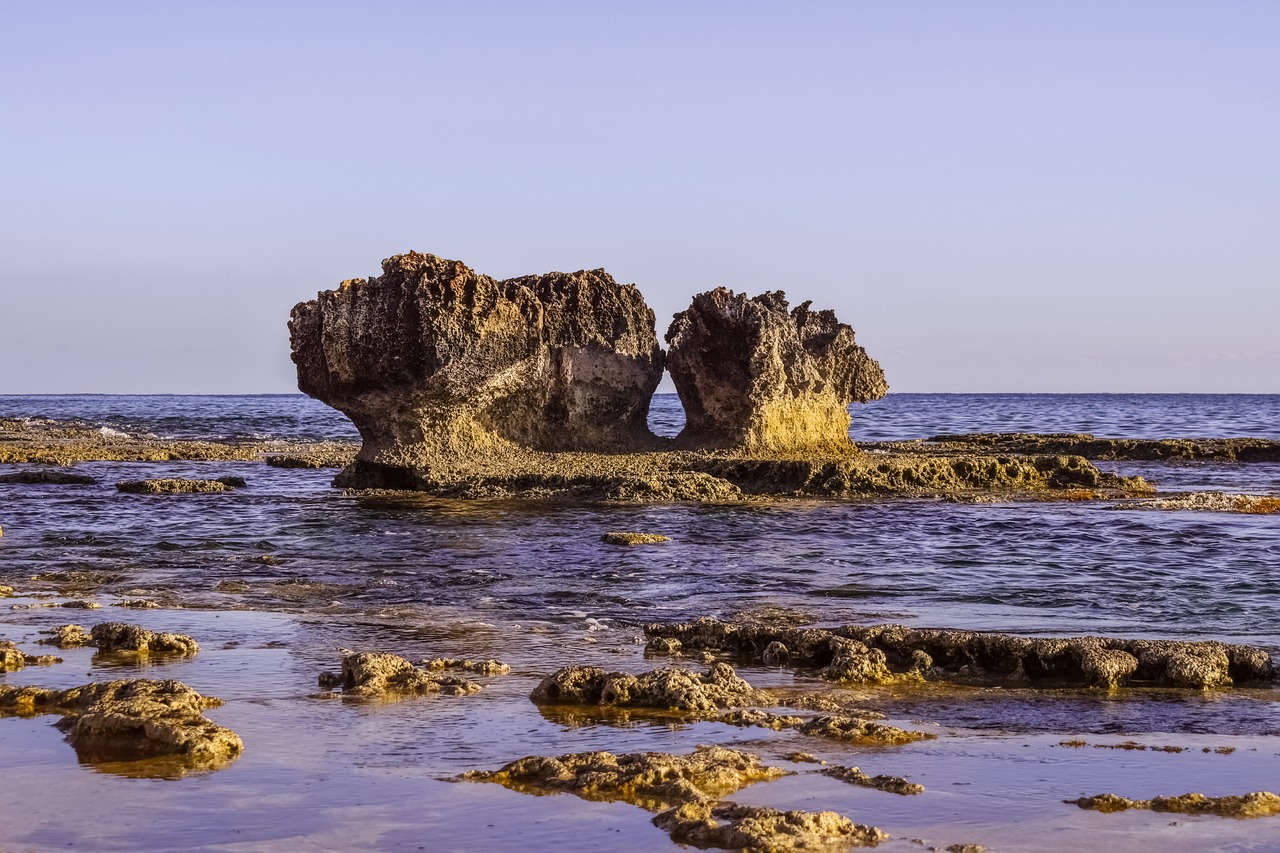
x: 1255, y: 804
x: 652, y: 780
x: 13, y: 658
x: 669, y: 688
x: 732, y: 826
x: 1087, y: 445
x: 375, y: 674
x: 479, y: 667
x: 762, y: 380
x: 629, y: 539
x: 121, y: 637
x: 887, y: 653
x: 67, y: 637
x: 1209, y: 502
x: 432, y: 359
x: 47, y: 477
x: 178, y: 486
x: 131, y: 719
x: 861, y: 730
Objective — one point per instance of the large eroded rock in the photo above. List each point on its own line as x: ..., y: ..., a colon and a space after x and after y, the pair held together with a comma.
x: 432, y: 360
x: 758, y: 379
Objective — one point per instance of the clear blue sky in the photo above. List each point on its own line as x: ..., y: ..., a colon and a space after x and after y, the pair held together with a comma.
x: 1018, y: 196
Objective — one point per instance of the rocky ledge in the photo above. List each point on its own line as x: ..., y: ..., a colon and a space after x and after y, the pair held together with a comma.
x: 887, y: 654
x: 1090, y: 447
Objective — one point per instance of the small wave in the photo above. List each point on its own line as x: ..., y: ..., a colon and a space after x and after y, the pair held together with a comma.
x: 108, y: 432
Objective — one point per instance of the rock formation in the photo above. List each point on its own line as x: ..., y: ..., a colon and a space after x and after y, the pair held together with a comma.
x: 759, y: 380
x: 432, y: 360
x: 882, y: 654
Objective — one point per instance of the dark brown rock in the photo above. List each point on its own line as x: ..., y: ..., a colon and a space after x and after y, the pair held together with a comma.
x: 432, y: 360
x: 760, y: 380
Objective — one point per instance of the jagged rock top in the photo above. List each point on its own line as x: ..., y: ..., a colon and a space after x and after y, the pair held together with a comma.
x: 757, y: 377
x: 433, y: 359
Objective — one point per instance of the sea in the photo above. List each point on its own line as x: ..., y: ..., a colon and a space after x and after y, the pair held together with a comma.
x: 277, y: 579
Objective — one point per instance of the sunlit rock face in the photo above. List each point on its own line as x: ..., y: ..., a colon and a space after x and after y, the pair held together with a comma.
x: 432, y: 360
x: 759, y: 379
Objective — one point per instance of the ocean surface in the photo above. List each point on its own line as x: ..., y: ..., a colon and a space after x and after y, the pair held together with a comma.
x: 276, y: 578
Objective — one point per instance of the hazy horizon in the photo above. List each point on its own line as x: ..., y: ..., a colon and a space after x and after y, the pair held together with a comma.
x: 997, y: 197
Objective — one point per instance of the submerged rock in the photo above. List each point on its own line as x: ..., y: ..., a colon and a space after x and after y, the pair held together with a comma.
x: 373, y: 674
x: 1256, y: 804
x: 432, y: 359
x: 651, y: 780
x: 669, y: 688
x: 171, y: 486
x: 854, y: 776
x: 131, y: 719
x: 758, y: 379
x: 894, y: 653
x: 731, y: 826
x: 47, y: 477
x: 633, y: 538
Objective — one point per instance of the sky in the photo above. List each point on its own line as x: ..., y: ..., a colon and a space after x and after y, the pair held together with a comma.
x: 997, y: 196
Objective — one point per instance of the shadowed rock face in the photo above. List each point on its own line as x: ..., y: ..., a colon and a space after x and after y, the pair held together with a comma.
x: 757, y: 379
x: 432, y: 359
